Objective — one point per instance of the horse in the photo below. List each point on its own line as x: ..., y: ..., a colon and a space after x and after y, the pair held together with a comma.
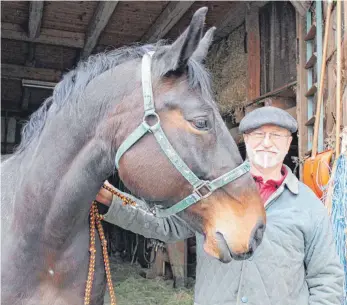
x: 68, y: 148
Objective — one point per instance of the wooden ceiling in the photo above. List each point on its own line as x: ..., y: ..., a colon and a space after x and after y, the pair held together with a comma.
x: 42, y: 40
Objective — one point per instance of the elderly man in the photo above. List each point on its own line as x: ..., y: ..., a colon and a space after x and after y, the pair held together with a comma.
x: 296, y: 262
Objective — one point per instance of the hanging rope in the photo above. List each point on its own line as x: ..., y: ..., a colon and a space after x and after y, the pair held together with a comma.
x: 95, y: 223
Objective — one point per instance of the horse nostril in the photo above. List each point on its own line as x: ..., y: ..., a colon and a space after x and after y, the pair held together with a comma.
x: 222, y: 244
x: 257, y: 236
x: 224, y: 251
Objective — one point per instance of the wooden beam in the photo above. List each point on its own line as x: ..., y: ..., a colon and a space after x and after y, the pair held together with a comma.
x: 301, y: 7
x: 301, y: 89
x: 3, y: 128
x: 100, y: 19
x: 178, y: 255
x: 47, y: 36
x: 11, y: 130
x: 25, y: 99
x: 253, y: 50
x: 344, y: 63
x: 235, y: 17
x: 30, y: 60
x: 35, y: 17
x: 280, y: 102
x: 16, y: 113
x: 19, y: 72
x: 284, y: 91
x: 157, y: 268
x: 166, y: 21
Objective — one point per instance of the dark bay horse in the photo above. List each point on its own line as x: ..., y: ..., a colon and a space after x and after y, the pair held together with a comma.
x: 68, y: 149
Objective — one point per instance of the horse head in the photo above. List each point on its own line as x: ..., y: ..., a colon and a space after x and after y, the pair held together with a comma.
x: 231, y: 217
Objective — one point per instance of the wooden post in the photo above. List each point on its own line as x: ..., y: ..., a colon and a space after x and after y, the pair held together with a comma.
x: 301, y: 101
x: 178, y: 259
x: 158, y: 266
x: 344, y: 64
x: 253, y: 49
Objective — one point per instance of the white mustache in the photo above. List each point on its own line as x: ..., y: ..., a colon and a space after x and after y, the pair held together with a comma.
x: 267, y: 151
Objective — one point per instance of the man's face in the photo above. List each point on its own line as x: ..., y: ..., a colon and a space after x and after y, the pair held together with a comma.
x: 268, y: 145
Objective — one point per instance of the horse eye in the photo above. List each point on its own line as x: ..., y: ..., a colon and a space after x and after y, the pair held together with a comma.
x: 201, y: 124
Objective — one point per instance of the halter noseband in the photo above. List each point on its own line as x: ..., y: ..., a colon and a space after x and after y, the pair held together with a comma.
x: 157, y: 131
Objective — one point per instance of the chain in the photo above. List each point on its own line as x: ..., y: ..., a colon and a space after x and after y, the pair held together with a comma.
x: 95, y: 223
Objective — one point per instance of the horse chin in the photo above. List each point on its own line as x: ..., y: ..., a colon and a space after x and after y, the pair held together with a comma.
x: 241, y: 257
x: 228, y: 256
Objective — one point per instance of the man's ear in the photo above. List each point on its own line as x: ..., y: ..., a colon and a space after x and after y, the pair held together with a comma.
x: 245, y: 138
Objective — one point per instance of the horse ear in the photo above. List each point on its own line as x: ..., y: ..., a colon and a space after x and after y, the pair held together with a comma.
x: 201, y: 52
x: 174, y: 58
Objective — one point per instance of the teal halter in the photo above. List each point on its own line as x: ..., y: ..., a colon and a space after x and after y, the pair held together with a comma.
x: 198, y: 184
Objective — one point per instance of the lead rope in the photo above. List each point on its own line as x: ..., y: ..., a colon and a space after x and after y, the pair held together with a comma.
x: 95, y: 222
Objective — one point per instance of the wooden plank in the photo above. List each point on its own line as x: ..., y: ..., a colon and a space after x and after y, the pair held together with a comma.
x: 47, y: 36
x: 280, y: 102
x: 330, y: 82
x: 25, y: 99
x: 344, y: 107
x: 7, y: 148
x: 235, y: 17
x: 301, y: 7
x: 310, y: 121
x: 309, y: 80
x: 16, y: 113
x: 284, y: 91
x: 292, y: 111
x: 35, y: 17
x: 344, y: 65
x: 11, y: 130
x: 178, y: 259
x: 253, y: 48
x: 19, y: 72
x: 166, y: 21
x: 311, y: 32
x: 3, y: 129
x: 99, y: 21
x: 312, y: 90
x: 311, y: 62
x: 30, y: 59
x: 272, y: 49
x: 158, y: 266
x: 301, y: 100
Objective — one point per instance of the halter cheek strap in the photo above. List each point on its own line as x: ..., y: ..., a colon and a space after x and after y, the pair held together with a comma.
x: 155, y: 128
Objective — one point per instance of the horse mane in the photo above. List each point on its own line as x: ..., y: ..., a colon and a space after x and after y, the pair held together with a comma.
x: 75, y: 81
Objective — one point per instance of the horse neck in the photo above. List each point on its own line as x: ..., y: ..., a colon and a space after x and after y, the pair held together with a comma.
x: 64, y: 170
x: 65, y: 167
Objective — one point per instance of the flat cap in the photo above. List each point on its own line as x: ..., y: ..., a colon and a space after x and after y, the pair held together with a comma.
x: 268, y: 115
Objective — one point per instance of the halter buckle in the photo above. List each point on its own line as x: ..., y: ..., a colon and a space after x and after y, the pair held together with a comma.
x: 199, y: 190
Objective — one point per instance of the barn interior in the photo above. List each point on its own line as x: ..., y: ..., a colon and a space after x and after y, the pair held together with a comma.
x: 263, y: 53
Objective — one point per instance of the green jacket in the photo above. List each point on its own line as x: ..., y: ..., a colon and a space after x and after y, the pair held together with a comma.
x: 296, y: 262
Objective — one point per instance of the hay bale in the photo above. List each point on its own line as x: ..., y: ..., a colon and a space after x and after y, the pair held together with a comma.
x: 227, y: 62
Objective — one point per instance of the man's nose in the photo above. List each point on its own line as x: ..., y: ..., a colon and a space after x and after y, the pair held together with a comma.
x: 267, y: 141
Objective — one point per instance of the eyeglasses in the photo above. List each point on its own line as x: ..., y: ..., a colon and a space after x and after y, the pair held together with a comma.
x: 274, y: 137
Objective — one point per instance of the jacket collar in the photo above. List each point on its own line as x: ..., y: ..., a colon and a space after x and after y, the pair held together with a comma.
x: 291, y: 181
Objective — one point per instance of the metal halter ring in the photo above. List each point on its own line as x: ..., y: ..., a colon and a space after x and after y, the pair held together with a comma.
x: 153, y: 126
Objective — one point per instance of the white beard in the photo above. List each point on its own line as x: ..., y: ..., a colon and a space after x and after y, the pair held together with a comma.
x: 265, y: 159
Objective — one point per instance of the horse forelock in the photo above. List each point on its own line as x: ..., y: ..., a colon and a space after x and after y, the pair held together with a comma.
x: 73, y: 84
